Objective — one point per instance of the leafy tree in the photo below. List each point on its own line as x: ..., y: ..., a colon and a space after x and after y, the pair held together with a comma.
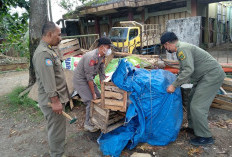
x: 14, y: 27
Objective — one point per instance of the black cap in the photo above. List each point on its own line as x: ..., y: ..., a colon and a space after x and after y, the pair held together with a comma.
x: 104, y: 41
x: 168, y: 37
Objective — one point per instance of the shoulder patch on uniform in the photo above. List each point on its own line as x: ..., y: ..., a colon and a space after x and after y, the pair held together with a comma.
x: 48, y: 62
x: 181, y: 55
x: 92, y: 62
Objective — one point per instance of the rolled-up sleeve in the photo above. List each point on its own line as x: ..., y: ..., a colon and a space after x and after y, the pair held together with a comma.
x: 46, y: 73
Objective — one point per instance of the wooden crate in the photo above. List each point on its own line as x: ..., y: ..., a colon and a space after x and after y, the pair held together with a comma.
x: 105, y: 119
x: 68, y: 48
x: 112, y: 97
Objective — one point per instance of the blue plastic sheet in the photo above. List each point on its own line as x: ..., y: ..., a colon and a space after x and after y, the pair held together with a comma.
x: 153, y: 117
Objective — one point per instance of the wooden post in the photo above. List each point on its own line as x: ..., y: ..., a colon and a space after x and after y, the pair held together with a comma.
x: 130, y: 15
x: 97, y: 27
x: 103, y: 94
x: 193, y: 8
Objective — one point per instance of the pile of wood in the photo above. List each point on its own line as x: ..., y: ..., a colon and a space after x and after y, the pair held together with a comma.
x: 69, y: 48
x: 108, y: 113
x: 224, y: 100
x: 105, y: 119
x: 112, y: 97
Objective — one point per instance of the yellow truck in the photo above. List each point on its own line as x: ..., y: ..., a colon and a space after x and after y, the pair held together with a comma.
x: 135, y: 38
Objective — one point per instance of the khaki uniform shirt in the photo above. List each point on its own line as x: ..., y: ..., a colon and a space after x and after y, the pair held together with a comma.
x: 89, y: 66
x: 194, y: 63
x: 49, y: 74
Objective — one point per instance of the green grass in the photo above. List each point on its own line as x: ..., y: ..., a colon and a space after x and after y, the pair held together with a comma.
x: 18, y: 107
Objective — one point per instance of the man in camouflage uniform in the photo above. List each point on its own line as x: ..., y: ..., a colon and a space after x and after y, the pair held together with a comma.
x: 90, y: 65
x: 207, y: 75
x: 52, y: 87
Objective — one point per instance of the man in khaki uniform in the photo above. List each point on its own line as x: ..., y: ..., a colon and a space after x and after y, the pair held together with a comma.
x: 207, y: 75
x: 52, y: 87
x: 90, y: 65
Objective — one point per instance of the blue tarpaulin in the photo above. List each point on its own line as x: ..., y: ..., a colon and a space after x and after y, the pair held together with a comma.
x: 153, y: 117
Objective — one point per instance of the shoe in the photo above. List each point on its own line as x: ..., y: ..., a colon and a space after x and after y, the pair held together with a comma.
x: 200, y: 141
x: 90, y: 128
x: 188, y: 130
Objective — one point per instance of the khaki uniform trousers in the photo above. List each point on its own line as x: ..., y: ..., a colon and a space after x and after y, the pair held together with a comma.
x: 56, y: 127
x: 200, y: 98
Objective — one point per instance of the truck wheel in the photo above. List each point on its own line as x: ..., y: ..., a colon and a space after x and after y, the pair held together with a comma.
x: 135, y: 51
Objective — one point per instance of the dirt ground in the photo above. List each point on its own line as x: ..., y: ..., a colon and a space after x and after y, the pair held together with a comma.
x: 23, y: 135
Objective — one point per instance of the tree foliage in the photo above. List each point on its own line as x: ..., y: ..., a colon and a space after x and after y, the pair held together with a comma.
x: 13, y: 27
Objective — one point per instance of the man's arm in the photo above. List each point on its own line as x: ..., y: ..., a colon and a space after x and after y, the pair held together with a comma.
x: 187, y: 63
x: 89, y: 72
x: 46, y: 73
x: 91, y: 86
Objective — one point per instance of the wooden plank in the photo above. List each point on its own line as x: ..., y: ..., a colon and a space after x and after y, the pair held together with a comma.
x: 73, y: 48
x: 107, y: 119
x: 64, y: 41
x: 225, y: 107
x: 97, y: 101
x: 115, y: 119
x: 78, y: 52
x: 156, y: 20
x: 98, y: 123
x: 112, y: 102
x: 222, y: 102
x: 182, y: 15
x: 171, y: 16
x: 227, y: 81
x: 109, y: 84
x: 68, y: 44
x: 114, y: 108
x: 177, y: 15
x: 103, y: 112
x: 112, y: 127
x: 226, y: 87
x: 124, y: 102
x: 103, y: 94
x: 113, y: 95
x: 113, y: 88
x: 224, y: 96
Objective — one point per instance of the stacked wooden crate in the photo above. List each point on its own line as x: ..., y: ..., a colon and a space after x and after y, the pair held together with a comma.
x: 69, y: 48
x: 108, y: 113
x: 224, y: 101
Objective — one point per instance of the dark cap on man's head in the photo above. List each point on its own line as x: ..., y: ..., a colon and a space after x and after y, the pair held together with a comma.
x: 168, y: 37
x: 104, y: 41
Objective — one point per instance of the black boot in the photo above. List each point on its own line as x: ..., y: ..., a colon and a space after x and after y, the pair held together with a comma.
x: 201, y: 141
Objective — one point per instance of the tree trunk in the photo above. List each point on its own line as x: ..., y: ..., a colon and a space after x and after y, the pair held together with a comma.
x: 38, y: 17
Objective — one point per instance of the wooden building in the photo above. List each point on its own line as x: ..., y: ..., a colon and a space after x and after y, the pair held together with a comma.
x: 216, y: 17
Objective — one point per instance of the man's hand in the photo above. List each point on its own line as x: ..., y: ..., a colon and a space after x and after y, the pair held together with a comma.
x: 171, y: 89
x: 56, y: 105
